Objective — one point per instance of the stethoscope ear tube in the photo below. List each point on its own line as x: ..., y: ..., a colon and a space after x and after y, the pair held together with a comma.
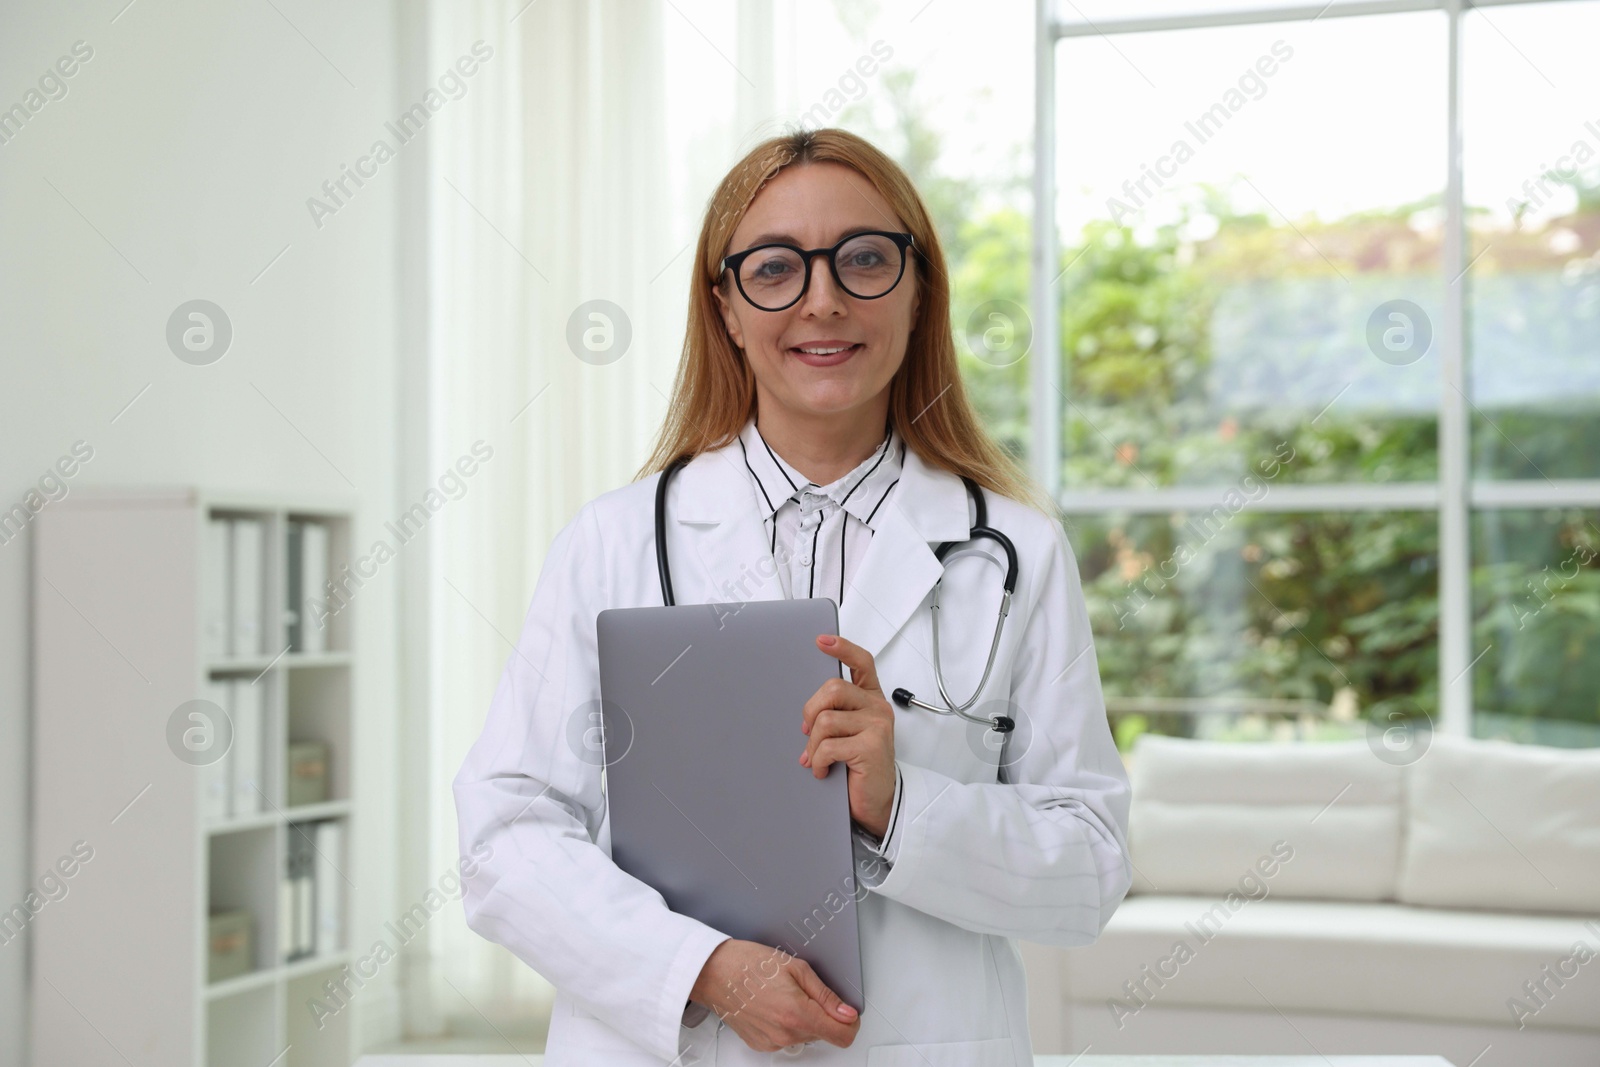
x: 1002, y: 724
x: 662, y: 567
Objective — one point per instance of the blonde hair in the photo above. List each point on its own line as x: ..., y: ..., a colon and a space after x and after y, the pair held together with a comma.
x: 714, y: 393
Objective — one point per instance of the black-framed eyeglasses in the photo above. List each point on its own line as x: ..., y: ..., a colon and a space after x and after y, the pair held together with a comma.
x: 866, y: 265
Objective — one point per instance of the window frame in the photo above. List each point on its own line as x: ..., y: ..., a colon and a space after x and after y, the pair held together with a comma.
x: 1453, y: 495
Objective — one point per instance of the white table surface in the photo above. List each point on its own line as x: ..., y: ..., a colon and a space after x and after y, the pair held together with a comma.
x: 394, y: 1060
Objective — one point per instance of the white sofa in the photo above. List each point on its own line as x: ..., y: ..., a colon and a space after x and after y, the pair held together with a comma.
x: 1315, y: 898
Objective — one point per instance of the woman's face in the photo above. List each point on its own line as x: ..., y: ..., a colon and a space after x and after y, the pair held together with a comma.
x: 814, y: 205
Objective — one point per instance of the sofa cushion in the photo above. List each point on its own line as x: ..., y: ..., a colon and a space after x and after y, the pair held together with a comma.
x: 1338, y: 957
x: 1492, y: 824
x: 1204, y: 814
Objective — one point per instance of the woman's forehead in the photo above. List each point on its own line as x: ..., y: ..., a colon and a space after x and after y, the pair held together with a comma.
x: 814, y: 204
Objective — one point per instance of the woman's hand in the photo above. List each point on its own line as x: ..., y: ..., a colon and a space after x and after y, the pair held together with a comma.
x: 771, y: 999
x: 851, y: 723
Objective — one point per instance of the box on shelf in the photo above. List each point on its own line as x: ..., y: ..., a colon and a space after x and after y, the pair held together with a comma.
x: 229, y: 949
x: 308, y: 774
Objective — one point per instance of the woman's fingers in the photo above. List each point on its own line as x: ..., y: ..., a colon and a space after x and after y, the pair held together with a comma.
x: 790, y: 1007
x: 838, y: 695
x: 824, y: 754
x: 863, y: 671
x: 834, y: 1021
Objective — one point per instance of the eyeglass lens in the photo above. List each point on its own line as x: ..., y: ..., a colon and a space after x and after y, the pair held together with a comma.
x: 868, y: 265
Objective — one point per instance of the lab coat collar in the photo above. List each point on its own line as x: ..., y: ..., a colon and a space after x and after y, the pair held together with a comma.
x: 719, y: 509
x: 861, y: 492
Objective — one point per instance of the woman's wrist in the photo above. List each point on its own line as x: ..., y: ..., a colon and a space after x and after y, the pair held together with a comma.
x: 706, y: 982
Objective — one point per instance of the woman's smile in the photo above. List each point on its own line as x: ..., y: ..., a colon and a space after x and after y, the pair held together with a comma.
x: 828, y: 353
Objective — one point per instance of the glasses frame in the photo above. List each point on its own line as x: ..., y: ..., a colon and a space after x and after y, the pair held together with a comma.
x: 903, y: 240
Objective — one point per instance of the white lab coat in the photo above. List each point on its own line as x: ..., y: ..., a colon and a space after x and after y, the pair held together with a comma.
x: 1036, y: 850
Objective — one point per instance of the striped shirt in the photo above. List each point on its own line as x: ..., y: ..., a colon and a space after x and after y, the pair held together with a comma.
x: 818, y: 534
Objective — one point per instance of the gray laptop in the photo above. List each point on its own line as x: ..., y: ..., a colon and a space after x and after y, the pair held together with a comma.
x: 701, y: 707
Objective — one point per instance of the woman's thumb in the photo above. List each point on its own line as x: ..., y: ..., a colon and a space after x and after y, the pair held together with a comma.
x: 818, y: 990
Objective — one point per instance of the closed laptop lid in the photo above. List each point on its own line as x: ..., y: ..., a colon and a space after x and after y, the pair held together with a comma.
x: 708, y: 803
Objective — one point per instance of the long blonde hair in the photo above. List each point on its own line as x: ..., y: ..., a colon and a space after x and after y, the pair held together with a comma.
x: 714, y: 393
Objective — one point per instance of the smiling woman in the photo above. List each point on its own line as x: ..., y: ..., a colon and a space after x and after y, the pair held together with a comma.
x: 824, y: 447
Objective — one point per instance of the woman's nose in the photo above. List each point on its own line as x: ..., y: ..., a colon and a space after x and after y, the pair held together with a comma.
x: 823, y: 295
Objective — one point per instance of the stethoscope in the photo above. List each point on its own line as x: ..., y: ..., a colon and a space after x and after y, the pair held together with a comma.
x: 904, y: 697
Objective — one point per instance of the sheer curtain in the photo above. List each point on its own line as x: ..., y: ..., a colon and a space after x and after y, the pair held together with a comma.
x: 574, y: 169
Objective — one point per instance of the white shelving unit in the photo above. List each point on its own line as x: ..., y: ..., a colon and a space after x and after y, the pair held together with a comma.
x: 119, y: 961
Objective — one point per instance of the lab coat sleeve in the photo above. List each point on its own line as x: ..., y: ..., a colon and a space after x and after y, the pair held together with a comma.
x: 529, y: 811
x: 883, y: 846
x: 1041, y: 854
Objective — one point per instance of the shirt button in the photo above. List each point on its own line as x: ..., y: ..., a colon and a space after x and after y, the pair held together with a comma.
x: 805, y: 561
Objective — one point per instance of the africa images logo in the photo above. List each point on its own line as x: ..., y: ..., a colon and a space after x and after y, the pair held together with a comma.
x: 337, y: 191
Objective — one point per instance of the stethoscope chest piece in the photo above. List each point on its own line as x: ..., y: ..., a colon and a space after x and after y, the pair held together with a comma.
x: 980, y: 530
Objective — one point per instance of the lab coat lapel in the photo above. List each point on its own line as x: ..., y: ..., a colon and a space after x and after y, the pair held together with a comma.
x: 719, y: 518
x: 894, y: 577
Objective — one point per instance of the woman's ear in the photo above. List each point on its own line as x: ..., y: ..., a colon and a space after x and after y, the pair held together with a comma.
x: 729, y: 321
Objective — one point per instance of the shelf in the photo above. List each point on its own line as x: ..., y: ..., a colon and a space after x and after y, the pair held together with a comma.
x: 244, y: 822
x: 257, y: 664
x: 315, y: 659
x: 311, y: 965
x: 243, y: 983
x: 328, y: 809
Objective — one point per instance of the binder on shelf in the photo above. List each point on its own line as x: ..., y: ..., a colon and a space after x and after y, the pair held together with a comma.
x: 215, y: 578
x: 305, y: 918
x: 300, y: 915
x: 247, y: 706
x: 216, y: 785
x: 294, y: 609
x: 249, y: 573
x: 329, y: 886
x: 313, y: 577
x: 286, y: 918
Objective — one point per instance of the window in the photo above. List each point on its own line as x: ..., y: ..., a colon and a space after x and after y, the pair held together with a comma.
x: 1325, y: 416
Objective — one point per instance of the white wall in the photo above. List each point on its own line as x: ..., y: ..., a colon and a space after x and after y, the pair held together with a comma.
x: 177, y: 166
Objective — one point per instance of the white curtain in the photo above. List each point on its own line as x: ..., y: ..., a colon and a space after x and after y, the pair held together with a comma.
x: 575, y: 169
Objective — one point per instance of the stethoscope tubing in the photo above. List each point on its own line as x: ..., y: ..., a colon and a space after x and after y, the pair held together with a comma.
x: 903, y: 697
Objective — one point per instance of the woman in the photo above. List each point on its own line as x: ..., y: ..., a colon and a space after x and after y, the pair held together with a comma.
x: 819, y: 398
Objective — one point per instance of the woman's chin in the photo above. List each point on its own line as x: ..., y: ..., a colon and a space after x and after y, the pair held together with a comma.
x: 830, y: 398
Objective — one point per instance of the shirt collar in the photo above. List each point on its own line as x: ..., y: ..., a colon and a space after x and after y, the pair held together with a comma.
x: 860, y: 492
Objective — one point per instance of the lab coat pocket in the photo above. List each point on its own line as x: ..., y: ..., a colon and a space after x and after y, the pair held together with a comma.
x: 581, y: 1040
x: 995, y: 1052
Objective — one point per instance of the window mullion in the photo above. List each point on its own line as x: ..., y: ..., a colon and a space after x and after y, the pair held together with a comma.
x: 1455, y: 574
x: 1045, y: 372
